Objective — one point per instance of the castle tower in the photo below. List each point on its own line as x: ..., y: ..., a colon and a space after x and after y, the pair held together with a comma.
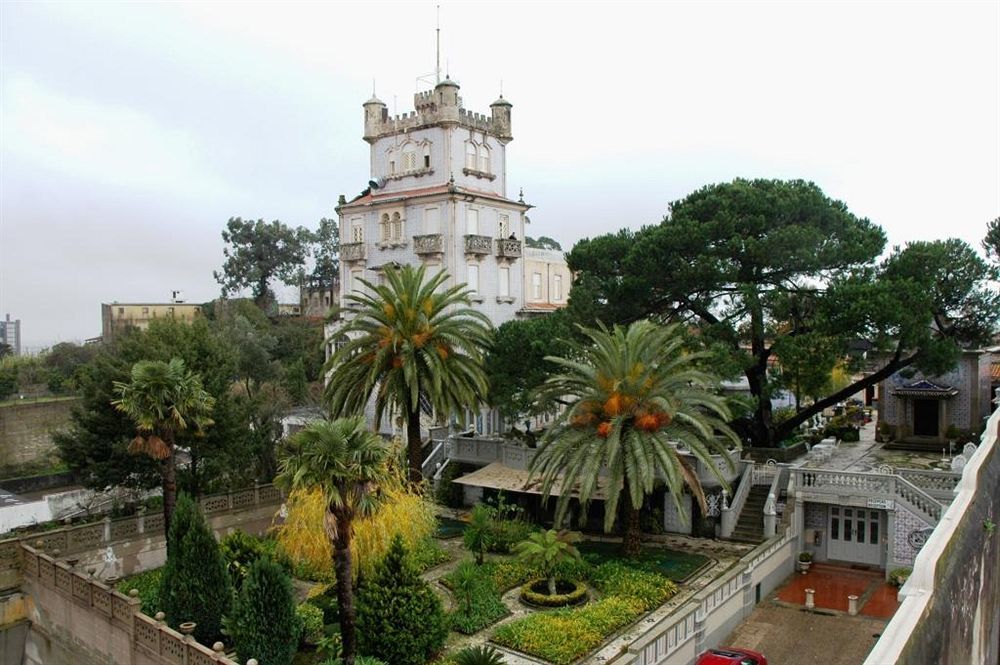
x: 438, y: 197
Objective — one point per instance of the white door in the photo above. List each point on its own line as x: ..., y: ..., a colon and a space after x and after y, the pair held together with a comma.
x: 855, y: 535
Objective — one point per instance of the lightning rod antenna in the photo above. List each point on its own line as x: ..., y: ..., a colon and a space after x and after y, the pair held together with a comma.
x: 437, y: 65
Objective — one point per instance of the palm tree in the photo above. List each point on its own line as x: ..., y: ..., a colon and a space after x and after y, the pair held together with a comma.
x: 409, y: 342
x: 163, y: 399
x: 634, y: 395
x: 345, y: 462
x: 545, y: 550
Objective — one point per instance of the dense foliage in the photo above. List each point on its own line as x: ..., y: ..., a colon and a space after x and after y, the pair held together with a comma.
x: 400, y: 618
x: 258, y: 253
x: 754, y: 262
x: 194, y: 585
x: 264, y: 624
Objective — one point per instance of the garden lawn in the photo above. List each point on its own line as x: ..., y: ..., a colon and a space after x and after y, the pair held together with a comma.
x: 563, y: 636
x: 677, y: 566
x: 486, y: 607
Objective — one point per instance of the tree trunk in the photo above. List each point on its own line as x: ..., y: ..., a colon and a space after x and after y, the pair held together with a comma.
x: 195, y: 485
x: 632, y: 541
x: 756, y: 374
x: 552, y: 584
x: 893, y: 366
x: 345, y: 593
x: 414, y: 449
x: 169, y: 475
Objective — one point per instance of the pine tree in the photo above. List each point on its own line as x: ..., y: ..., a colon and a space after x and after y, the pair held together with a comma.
x: 195, y: 585
x: 400, y: 618
x: 263, y: 624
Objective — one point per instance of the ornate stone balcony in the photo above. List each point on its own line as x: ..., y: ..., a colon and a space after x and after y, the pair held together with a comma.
x: 509, y: 248
x: 432, y: 243
x: 478, y: 244
x: 352, y: 251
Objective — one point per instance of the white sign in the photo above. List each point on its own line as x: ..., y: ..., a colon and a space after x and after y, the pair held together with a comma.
x: 882, y: 504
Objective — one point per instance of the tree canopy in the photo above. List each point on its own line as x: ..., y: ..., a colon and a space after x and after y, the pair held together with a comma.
x: 257, y: 253
x: 992, y: 241
x: 765, y: 267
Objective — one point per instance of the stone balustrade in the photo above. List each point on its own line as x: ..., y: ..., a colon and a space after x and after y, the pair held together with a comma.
x: 475, y: 244
x: 508, y: 248
x: 352, y: 251
x: 432, y: 243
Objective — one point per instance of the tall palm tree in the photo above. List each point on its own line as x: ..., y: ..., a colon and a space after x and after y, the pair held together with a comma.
x: 634, y: 394
x: 410, y: 340
x: 163, y: 399
x: 346, y: 462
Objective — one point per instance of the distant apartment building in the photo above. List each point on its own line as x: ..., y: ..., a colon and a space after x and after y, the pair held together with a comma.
x: 10, y: 333
x: 117, y: 317
x: 546, y: 281
x: 317, y: 300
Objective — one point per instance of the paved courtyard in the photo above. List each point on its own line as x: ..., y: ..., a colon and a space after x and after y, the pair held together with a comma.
x: 788, y: 634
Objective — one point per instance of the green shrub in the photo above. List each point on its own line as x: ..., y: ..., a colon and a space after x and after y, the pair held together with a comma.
x: 400, y: 618
x: 240, y: 550
x: 536, y: 593
x: 619, y: 579
x: 195, y: 585
x: 478, y: 602
x: 310, y: 618
x: 480, y: 655
x: 148, y: 586
x: 898, y: 576
x: 264, y: 624
x: 359, y: 660
x: 324, y: 596
x: 448, y: 492
x: 427, y: 554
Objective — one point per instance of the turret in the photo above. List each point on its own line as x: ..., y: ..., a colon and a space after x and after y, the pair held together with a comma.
x: 501, y: 120
x: 448, y: 100
x: 376, y: 113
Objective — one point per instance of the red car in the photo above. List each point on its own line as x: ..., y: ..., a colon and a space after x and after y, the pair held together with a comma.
x: 731, y: 656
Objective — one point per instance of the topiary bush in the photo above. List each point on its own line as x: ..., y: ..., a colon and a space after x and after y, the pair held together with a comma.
x: 264, y: 624
x: 194, y: 585
x: 400, y: 618
x: 536, y: 593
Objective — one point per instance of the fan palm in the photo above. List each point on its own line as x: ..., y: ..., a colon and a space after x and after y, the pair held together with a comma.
x: 346, y: 462
x: 634, y: 395
x: 545, y: 550
x: 163, y: 399
x: 479, y: 655
x: 411, y: 340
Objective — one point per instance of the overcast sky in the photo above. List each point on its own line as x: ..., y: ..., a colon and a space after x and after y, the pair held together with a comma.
x: 130, y: 133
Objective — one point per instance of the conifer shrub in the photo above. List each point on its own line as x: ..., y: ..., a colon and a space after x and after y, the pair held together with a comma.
x: 264, y: 624
x: 400, y: 618
x: 194, y: 585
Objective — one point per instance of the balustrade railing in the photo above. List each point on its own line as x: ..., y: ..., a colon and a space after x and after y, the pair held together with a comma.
x: 940, y: 484
x: 478, y: 244
x: 432, y: 243
x: 508, y: 248
x: 871, y: 485
x: 731, y: 511
x: 352, y: 251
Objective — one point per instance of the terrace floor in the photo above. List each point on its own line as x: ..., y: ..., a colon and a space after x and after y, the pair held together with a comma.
x: 867, y: 455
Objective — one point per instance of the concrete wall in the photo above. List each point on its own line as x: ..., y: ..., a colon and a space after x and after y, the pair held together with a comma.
x: 26, y: 430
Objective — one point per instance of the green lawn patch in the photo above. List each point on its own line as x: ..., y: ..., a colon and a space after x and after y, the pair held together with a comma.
x: 674, y: 565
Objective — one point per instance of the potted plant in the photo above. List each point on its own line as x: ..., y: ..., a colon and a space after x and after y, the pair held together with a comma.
x: 805, y: 560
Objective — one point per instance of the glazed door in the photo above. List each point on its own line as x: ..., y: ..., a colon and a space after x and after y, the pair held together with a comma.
x: 855, y: 535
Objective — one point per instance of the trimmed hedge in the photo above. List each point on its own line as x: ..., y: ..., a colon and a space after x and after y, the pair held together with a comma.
x: 537, y: 599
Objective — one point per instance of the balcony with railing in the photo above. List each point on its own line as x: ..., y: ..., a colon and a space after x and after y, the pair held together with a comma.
x: 478, y: 244
x: 352, y: 251
x: 508, y: 248
x: 431, y: 243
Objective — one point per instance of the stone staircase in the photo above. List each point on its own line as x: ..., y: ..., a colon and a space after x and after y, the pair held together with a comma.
x: 750, y: 527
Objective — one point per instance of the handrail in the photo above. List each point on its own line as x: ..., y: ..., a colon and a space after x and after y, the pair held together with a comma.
x: 731, y: 513
x: 877, y: 484
x: 433, y: 459
x: 919, y: 500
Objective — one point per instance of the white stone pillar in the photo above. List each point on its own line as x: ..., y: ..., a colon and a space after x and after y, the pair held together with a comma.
x: 810, y: 599
x: 852, y: 605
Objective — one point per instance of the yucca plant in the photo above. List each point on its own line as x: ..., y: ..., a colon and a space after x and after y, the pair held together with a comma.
x: 479, y: 655
x: 545, y: 550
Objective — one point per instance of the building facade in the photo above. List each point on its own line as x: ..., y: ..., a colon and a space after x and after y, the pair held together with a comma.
x: 547, y: 280
x: 117, y: 317
x: 438, y: 198
x: 10, y: 334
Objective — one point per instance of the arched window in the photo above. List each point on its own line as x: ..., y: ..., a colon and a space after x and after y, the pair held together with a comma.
x: 383, y: 229
x: 470, y: 155
x: 484, y: 159
x: 397, y: 227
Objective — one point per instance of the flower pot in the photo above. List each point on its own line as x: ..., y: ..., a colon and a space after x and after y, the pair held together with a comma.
x: 804, y: 566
